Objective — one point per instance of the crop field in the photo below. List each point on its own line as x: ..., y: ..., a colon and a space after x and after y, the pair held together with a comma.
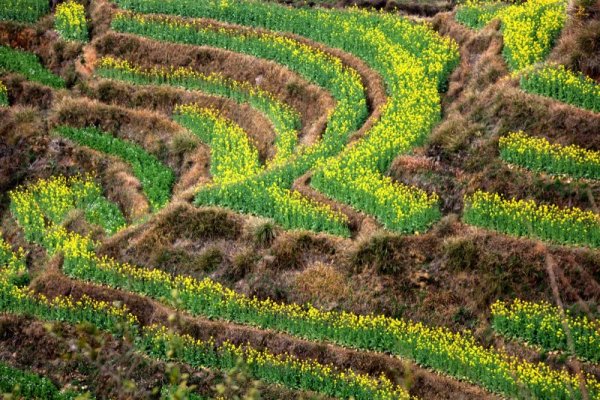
x: 261, y: 199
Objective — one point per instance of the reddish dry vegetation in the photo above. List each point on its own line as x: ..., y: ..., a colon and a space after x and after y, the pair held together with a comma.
x: 448, y: 276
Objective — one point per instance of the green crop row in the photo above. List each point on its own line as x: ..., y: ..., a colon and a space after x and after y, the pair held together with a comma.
x: 346, y: 29
x: 27, y: 64
x: 172, y: 392
x: 456, y: 354
x: 70, y: 21
x: 440, y: 349
x: 234, y: 159
x: 232, y: 156
x: 477, y: 14
x: 47, y: 203
x: 28, y: 385
x: 156, y: 178
x: 413, y: 62
x: 538, y: 154
x: 285, y: 120
x: 24, y: 10
x: 557, y: 82
x: 542, y: 324
x: 285, y: 370
x: 366, y: 190
x: 527, y: 218
x: 159, y: 343
x: 13, y: 264
x: 293, y: 209
x: 529, y: 28
x: 23, y: 301
x: 253, y: 195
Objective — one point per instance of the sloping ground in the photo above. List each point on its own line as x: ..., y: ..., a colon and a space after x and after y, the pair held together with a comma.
x: 448, y: 276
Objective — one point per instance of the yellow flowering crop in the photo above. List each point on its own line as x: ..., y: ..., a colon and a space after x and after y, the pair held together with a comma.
x: 477, y: 13
x: 539, y: 154
x: 251, y: 195
x: 526, y: 218
x: 12, y: 264
x: 233, y: 156
x: 22, y: 300
x: 319, y: 217
x: 156, y: 177
x: 529, y: 28
x: 52, y: 199
x: 453, y: 353
x: 541, y: 324
x: 412, y: 72
x: 559, y: 83
x: 285, y: 120
x: 282, y: 369
x: 70, y: 21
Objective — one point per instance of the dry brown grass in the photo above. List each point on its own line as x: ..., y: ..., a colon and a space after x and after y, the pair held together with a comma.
x: 126, y: 190
x: 322, y: 285
x: 176, y: 222
x: 579, y: 44
x: 58, y: 56
x: 432, y: 386
x: 150, y: 130
x: 448, y: 276
x: 27, y: 93
x: 311, y: 102
x: 163, y: 99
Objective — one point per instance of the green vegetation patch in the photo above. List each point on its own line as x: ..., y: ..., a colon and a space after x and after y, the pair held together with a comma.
x: 156, y: 178
x: 28, y: 64
x: 24, y: 10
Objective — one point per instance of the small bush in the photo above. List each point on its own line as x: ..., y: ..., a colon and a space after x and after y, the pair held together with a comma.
x: 378, y: 253
x: 461, y: 254
x: 264, y: 233
x: 321, y: 285
x: 184, y: 143
x: 242, y: 264
x: 209, y: 260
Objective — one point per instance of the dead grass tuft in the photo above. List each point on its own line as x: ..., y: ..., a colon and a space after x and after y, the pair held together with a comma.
x: 322, y: 285
x: 295, y: 250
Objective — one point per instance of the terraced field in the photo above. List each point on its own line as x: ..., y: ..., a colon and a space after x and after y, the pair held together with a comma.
x: 246, y: 199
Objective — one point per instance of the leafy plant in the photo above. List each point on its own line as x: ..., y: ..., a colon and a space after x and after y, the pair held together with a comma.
x: 539, y: 154
x: 3, y: 95
x: 557, y: 82
x: 542, y: 324
x: 24, y: 10
x: 156, y: 178
x: 526, y: 218
x: 70, y: 21
x: 27, y: 64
